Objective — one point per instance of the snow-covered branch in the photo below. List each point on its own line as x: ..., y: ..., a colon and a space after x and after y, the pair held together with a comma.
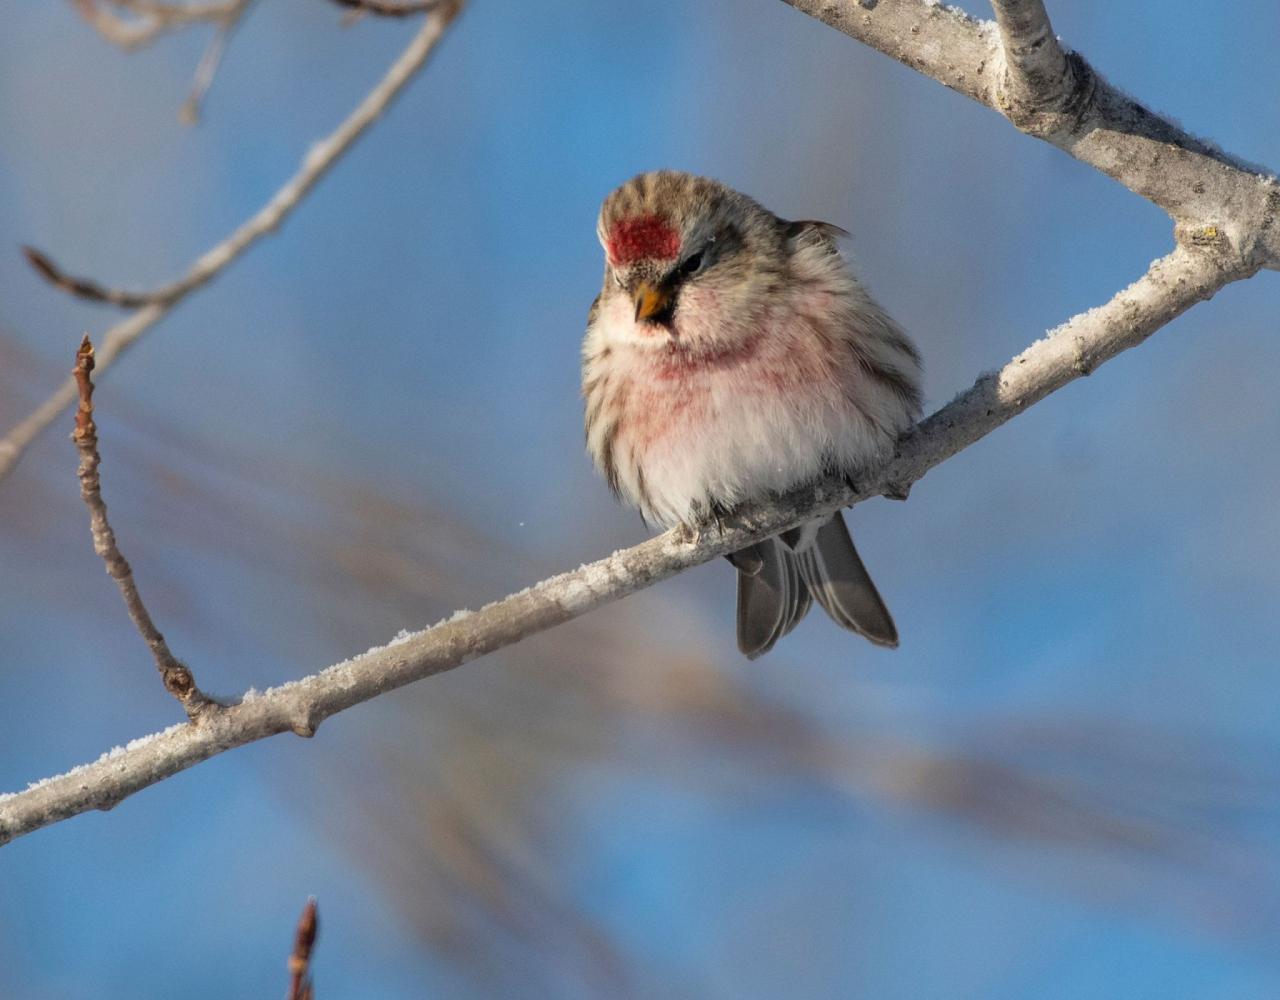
x: 156, y: 303
x: 1212, y: 196
x: 1172, y: 285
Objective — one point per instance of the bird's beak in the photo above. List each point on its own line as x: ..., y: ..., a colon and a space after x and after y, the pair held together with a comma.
x: 651, y: 302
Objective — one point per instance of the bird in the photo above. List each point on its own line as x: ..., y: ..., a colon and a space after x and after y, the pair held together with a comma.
x: 730, y: 356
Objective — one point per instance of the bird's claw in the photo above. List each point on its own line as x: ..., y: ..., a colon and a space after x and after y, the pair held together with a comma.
x: 897, y: 491
x: 688, y: 533
x: 704, y: 519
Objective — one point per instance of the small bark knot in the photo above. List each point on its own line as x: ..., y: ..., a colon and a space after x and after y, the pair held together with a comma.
x: 304, y: 724
x: 179, y: 682
x: 1232, y: 252
x: 1083, y: 364
x: 1046, y: 107
x: 1206, y: 236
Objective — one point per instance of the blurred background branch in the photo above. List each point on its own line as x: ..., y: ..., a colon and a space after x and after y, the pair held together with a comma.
x: 393, y: 8
x: 144, y: 20
x: 154, y: 305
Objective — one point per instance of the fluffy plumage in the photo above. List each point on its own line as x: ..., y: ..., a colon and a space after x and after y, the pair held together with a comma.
x: 730, y: 355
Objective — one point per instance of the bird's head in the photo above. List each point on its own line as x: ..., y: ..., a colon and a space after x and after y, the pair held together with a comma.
x: 692, y: 261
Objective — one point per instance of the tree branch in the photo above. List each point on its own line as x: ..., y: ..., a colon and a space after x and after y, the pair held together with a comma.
x: 1212, y: 197
x: 1038, y: 73
x: 207, y: 68
x: 85, y: 288
x: 157, y: 303
x: 150, y: 19
x: 175, y: 674
x: 1171, y: 285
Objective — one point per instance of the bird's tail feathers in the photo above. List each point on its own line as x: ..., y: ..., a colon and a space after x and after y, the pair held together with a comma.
x: 772, y: 596
x: 779, y: 578
x: 834, y: 574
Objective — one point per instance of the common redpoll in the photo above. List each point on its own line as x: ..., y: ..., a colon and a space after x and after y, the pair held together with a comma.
x: 731, y: 355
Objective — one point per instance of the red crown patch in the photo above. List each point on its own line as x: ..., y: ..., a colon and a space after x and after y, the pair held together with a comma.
x: 646, y: 236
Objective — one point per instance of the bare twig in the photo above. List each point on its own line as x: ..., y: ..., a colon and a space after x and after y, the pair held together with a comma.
x: 189, y: 113
x: 300, y: 960
x: 390, y: 8
x: 128, y: 33
x: 1172, y: 285
x: 269, y: 218
x: 84, y: 288
x: 182, y: 13
x: 177, y: 678
x: 150, y: 20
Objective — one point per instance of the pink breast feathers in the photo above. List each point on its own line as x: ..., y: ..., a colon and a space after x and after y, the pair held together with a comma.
x: 643, y: 237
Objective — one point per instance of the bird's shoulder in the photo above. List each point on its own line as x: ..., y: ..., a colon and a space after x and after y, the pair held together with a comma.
x: 825, y: 234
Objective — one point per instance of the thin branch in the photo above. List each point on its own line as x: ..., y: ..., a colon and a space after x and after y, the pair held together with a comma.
x: 304, y: 941
x: 314, y: 166
x: 1038, y: 73
x: 390, y: 8
x: 207, y: 69
x: 175, y: 675
x: 182, y: 13
x: 1171, y: 286
x: 150, y: 20
x: 1213, y: 197
x: 127, y: 33
x: 84, y: 288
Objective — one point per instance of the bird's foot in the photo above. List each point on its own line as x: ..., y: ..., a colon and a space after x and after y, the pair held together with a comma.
x: 688, y: 533
x: 706, y: 518
x: 897, y: 491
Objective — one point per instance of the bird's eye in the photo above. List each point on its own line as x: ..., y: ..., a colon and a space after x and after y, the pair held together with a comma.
x: 691, y: 264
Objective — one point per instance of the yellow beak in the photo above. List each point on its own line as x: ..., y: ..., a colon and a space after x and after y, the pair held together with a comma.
x: 650, y: 301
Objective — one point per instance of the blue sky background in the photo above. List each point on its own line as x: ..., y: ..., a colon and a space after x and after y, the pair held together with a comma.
x: 1064, y: 784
